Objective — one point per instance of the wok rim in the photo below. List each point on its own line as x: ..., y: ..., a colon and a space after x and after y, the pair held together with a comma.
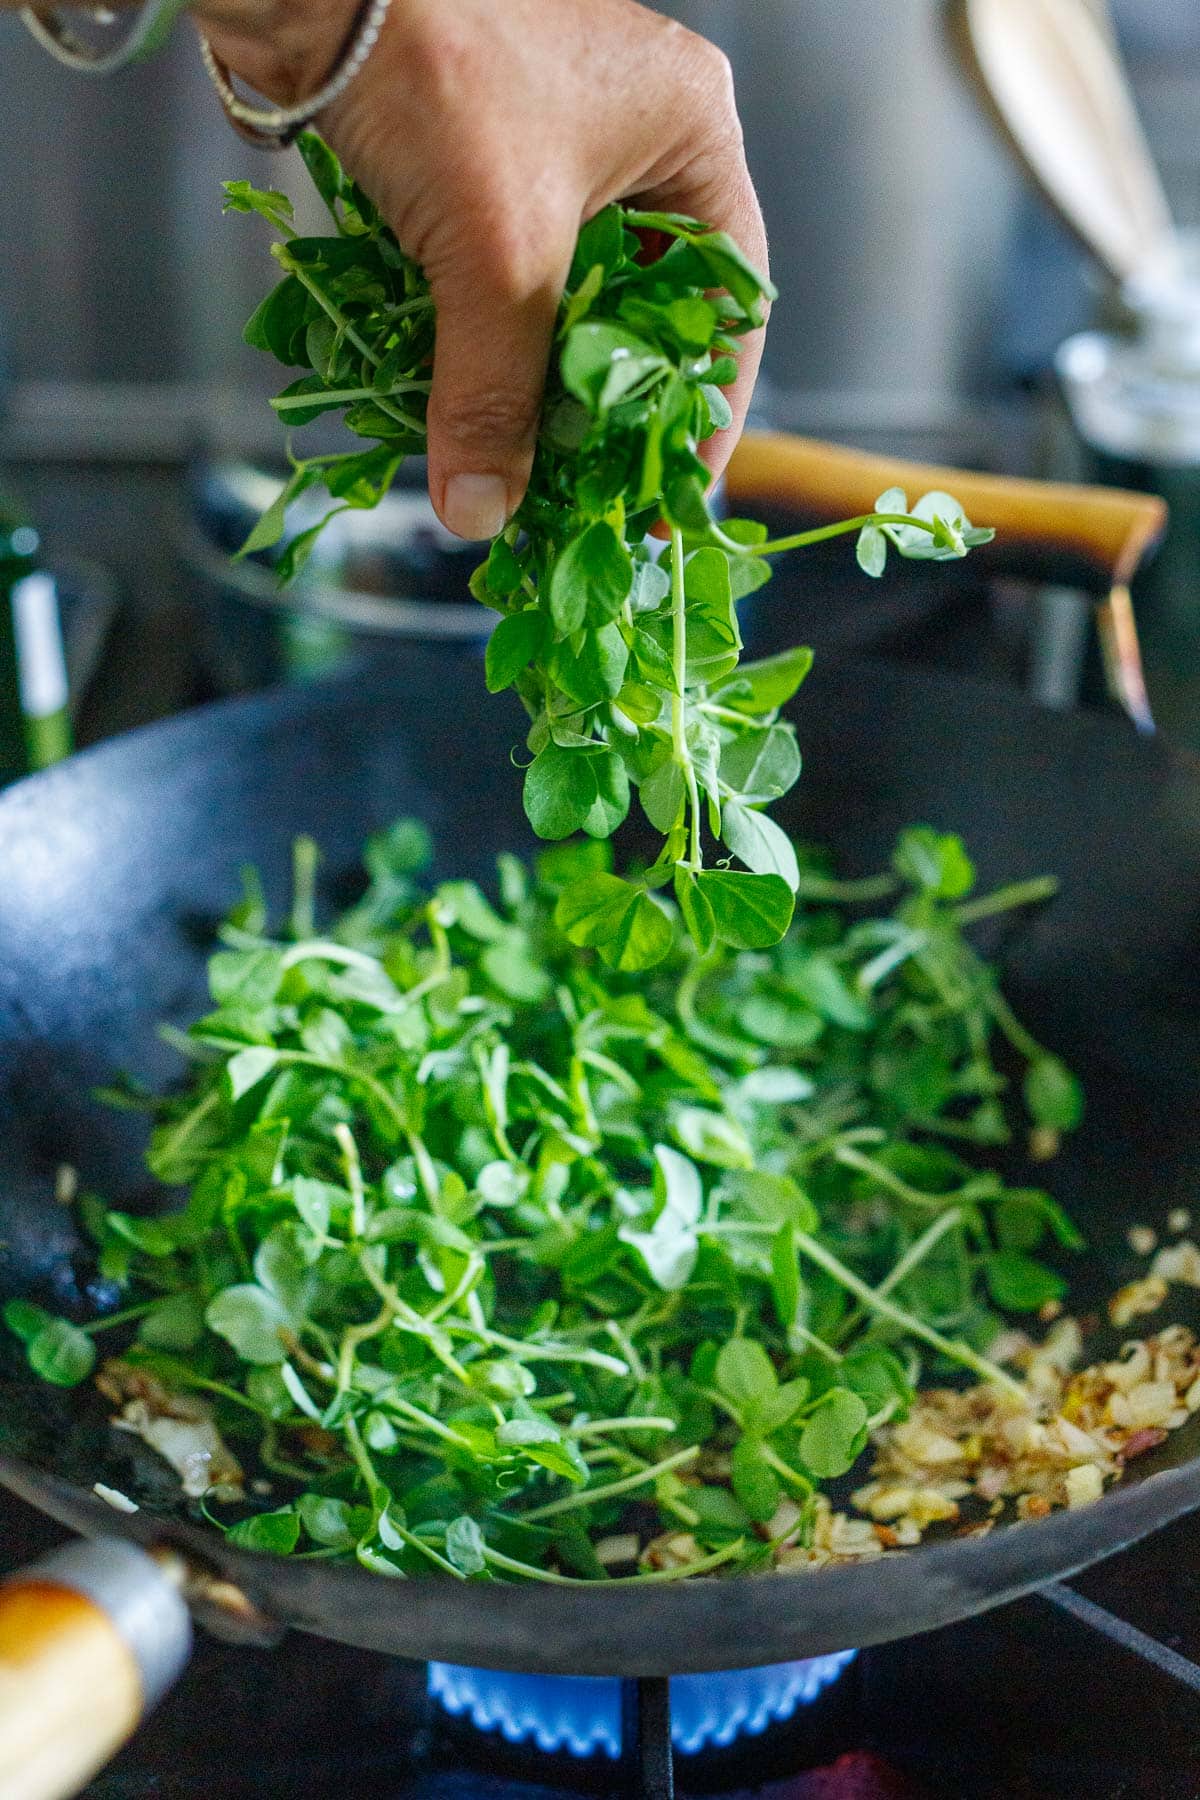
x: 709, y: 1623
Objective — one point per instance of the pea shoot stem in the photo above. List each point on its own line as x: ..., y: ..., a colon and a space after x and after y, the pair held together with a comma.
x: 679, y: 743
x: 876, y: 1302
x: 1006, y: 899
x: 611, y: 1490
x: 702, y: 1565
x: 800, y: 540
x: 1022, y: 1041
x: 126, y: 1315
x: 354, y: 1179
x: 328, y: 306
x: 916, y: 1253
x: 283, y: 403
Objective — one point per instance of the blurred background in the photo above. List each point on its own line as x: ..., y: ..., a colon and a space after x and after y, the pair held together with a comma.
x: 925, y: 291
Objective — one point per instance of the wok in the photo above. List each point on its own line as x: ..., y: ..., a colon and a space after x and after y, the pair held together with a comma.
x: 115, y: 867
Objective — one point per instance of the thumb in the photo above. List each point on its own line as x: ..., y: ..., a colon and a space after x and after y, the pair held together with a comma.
x: 489, y: 370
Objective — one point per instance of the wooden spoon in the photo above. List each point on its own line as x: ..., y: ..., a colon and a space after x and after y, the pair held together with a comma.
x: 1050, y: 75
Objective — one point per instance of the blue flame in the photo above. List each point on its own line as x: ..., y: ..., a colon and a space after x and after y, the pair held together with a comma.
x: 581, y: 1714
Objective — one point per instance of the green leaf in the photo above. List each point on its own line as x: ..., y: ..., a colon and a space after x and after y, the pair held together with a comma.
x: 934, y: 862
x: 326, y: 1520
x: 323, y: 168
x: 877, y: 1377
x: 1053, y: 1095
x: 677, y: 1184
x: 760, y: 687
x: 835, y: 1434
x: 628, y: 927
x: 464, y: 1545
x: 1023, y: 1216
x: 760, y: 843
x: 245, y: 1070
x: 504, y: 1379
x: 787, y: 1289
x: 720, y: 412
x: 663, y: 793
x: 278, y: 325
x: 693, y: 321
x: 176, y: 1323
x: 282, y: 1267
x: 558, y: 868
x: 590, y: 668
x: 714, y: 641
x: 379, y: 1433
x: 773, y: 1086
x: 24, y: 1319
x: 269, y: 203
x: 602, y: 363
x: 247, y: 979
x: 696, y: 911
x: 729, y: 267
x: 775, y: 1199
x: 574, y: 790
x: 601, y: 243
x: 1020, y: 1284
x: 745, y: 1375
x: 315, y: 1202
x: 591, y: 580
x: 669, y: 1252
x: 513, y: 645
x: 819, y: 982
x: 750, y: 912
x: 754, y: 1481
x: 463, y: 904
x: 712, y: 1137
x: 362, y: 477
x: 871, y: 550
x: 251, y: 1320
x: 651, y: 586
x: 277, y: 1532
x: 761, y: 765
x: 948, y: 542
x: 61, y: 1353
x: 512, y: 967
x: 780, y: 1408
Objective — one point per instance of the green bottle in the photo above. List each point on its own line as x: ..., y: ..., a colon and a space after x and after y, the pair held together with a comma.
x: 35, y: 724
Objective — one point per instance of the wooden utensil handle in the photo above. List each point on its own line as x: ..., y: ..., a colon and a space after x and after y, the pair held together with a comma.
x: 89, y: 1639
x: 1090, y: 537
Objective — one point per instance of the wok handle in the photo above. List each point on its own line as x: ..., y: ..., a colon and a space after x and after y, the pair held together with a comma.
x: 1094, y: 538
x: 90, y: 1638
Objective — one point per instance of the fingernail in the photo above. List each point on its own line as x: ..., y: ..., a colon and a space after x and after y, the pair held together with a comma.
x: 476, y: 506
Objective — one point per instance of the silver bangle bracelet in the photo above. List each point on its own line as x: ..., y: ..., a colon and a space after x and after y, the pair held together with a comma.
x: 275, y: 127
x: 150, y: 32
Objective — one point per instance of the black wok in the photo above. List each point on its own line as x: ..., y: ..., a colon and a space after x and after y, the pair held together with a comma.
x: 115, y: 864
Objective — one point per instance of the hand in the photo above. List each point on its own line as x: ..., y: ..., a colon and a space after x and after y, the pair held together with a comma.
x: 488, y: 132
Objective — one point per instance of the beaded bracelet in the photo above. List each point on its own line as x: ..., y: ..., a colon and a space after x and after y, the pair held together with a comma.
x: 275, y: 127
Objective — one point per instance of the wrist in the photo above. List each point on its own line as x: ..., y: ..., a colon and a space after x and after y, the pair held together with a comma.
x: 281, y: 50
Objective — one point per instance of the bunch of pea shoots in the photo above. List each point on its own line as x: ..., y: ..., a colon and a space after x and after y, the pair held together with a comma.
x: 532, y: 1230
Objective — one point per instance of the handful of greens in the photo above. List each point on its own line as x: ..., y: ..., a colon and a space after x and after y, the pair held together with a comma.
x: 628, y: 667
x: 508, y: 1265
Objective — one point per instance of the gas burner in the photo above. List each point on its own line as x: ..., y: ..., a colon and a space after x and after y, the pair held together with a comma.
x: 582, y: 1714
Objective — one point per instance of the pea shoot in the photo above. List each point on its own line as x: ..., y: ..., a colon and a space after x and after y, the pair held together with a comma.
x: 627, y: 656
x: 502, y: 1264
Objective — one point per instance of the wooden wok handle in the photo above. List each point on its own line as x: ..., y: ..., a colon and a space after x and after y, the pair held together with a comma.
x: 89, y: 1640
x: 1094, y: 538
x: 1091, y: 537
